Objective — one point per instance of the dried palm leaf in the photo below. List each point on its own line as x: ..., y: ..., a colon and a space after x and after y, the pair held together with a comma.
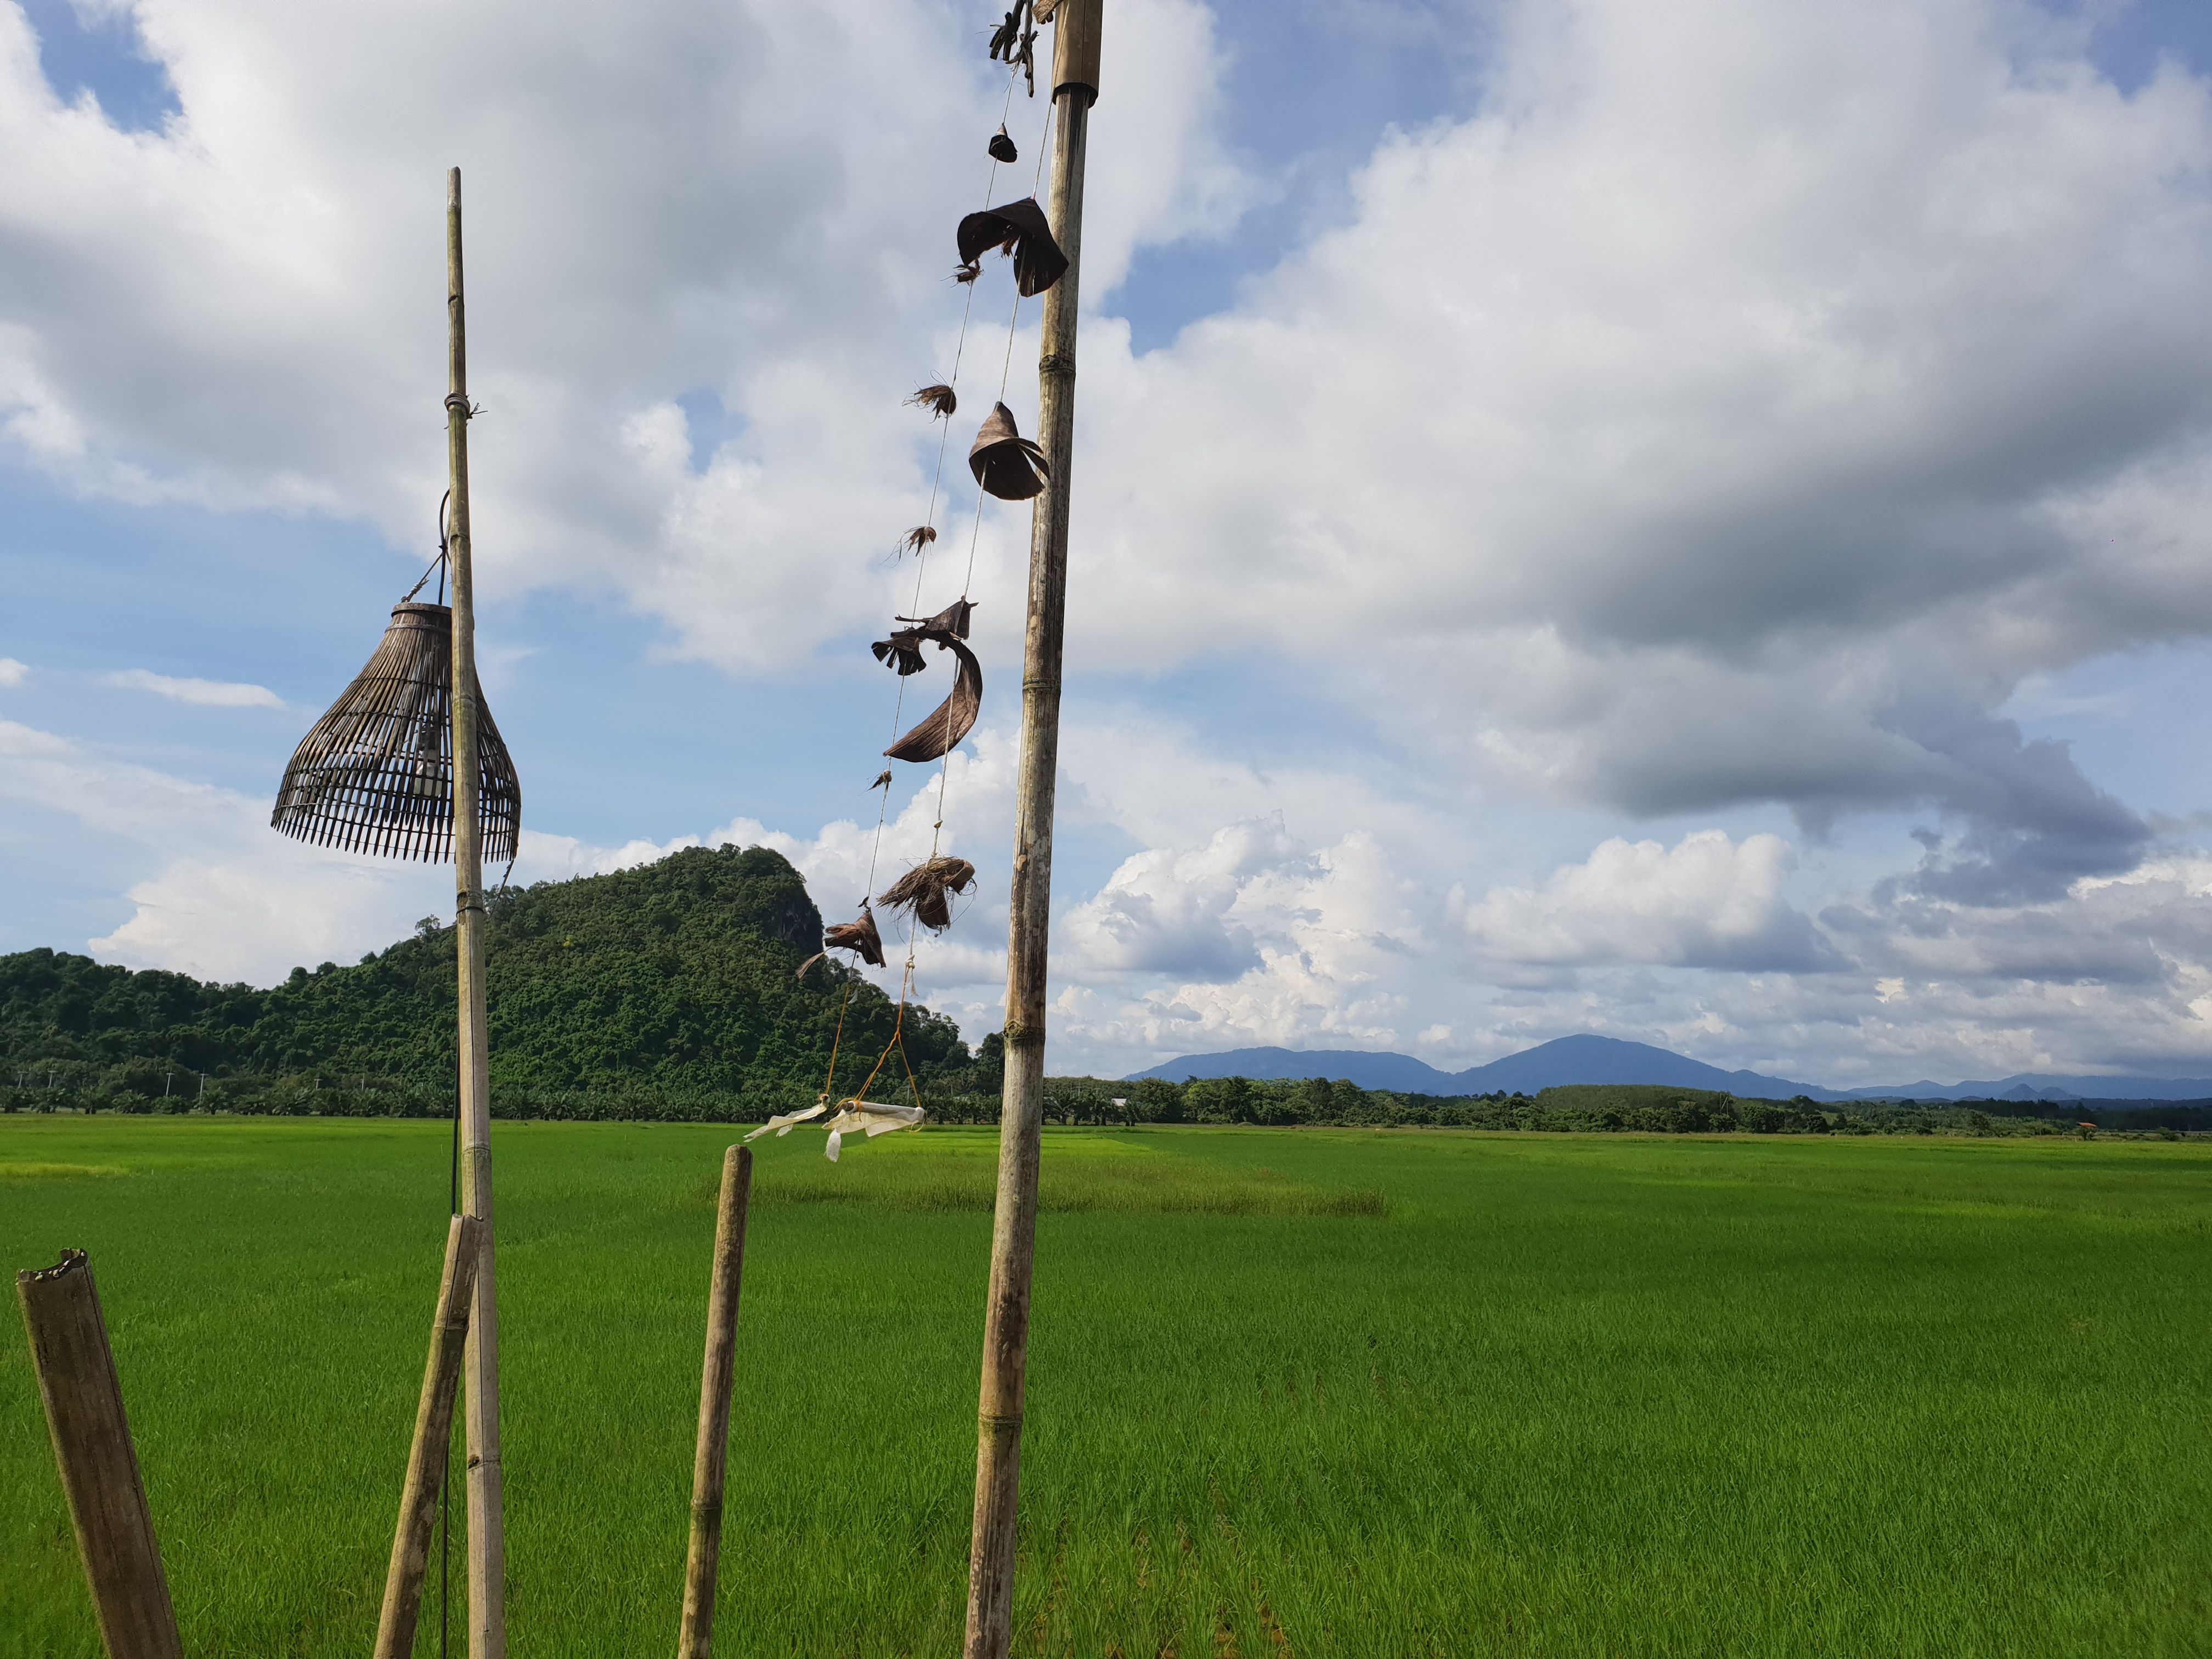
x: 916, y: 539
x: 937, y: 399
x: 940, y: 732
x: 1019, y: 229
x: 1005, y: 464
x: 923, y: 890
x: 883, y: 779
x: 375, y: 774
x: 902, y: 650
x: 967, y: 273
x: 952, y: 620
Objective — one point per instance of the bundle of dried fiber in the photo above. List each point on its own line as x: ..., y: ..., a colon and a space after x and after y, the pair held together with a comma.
x: 924, y: 887
x: 858, y: 936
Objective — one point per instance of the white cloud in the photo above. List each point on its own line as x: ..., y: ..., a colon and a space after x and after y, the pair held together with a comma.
x: 1705, y: 902
x: 210, y: 694
x: 12, y: 672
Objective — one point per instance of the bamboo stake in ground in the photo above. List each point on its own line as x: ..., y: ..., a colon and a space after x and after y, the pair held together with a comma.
x: 433, y: 1438
x: 708, y: 1461
x: 487, y: 1534
x: 99, y: 1464
x: 1013, y: 1229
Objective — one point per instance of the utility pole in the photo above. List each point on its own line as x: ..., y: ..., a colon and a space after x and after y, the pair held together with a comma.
x: 480, y: 1366
x: 1013, y: 1228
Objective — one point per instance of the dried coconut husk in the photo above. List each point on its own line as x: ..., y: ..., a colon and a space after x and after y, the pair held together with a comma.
x: 923, y: 890
x: 937, y: 399
x: 858, y: 936
x: 1005, y: 464
x: 1019, y: 229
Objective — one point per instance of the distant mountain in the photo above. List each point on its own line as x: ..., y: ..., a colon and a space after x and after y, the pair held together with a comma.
x: 2032, y: 1085
x: 1584, y: 1059
x: 1589, y: 1058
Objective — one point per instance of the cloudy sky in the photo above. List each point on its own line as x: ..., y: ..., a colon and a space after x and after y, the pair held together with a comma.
x: 1682, y: 518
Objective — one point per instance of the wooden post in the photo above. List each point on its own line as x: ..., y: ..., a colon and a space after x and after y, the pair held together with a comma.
x: 99, y: 1464
x: 487, y: 1533
x: 434, y: 1439
x: 1013, y: 1228
x: 710, y: 1458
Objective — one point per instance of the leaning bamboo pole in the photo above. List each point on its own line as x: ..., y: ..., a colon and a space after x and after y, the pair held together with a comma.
x: 433, y: 1444
x: 1013, y: 1228
x: 709, y: 1459
x: 99, y: 1464
x: 487, y: 1534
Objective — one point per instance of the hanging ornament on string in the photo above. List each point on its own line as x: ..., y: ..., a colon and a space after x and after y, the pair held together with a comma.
x: 923, y: 890
x: 375, y: 774
x: 941, y: 730
x: 1002, y: 146
x: 1005, y: 464
x: 1019, y: 229
x: 860, y: 937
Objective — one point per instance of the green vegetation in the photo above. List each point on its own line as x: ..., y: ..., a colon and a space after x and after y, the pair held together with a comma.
x: 671, y: 983
x: 1324, y: 1393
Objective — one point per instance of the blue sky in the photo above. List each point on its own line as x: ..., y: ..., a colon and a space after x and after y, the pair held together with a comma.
x: 1564, y: 494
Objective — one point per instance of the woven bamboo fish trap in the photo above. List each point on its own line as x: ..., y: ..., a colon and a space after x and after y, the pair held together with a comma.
x: 376, y: 773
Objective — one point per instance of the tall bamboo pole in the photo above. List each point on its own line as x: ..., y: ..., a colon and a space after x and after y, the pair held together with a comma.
x: 709, y: 1459
x: 487, y: 1533
x: 99, y: 1464
x: 1013, y: 1228
x: 433, y: 1444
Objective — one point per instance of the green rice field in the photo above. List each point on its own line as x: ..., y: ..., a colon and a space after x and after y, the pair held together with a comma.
x: 1318, y: 1392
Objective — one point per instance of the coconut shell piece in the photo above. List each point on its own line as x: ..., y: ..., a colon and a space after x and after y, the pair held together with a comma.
x: 1005, y: 464
x: 1019, y: 229
x: 937, y: 399
x: 924, y: 889
x: 1002, y: 147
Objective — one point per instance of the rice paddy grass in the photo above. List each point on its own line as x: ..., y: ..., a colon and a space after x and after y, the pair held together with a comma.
x: 1291, y: 1391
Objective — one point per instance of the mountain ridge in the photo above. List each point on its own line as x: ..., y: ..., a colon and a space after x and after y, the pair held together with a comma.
x: 1585, y: 1058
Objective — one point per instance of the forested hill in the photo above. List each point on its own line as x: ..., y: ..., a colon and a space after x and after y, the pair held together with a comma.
x: 676, y: 974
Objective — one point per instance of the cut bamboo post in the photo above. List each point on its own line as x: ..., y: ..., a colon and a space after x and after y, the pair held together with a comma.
x: 99, y: 1464
x: 433, y: 1444
x: 709, y: 1459
x: 1013, y: 1227
x: 487, y: 1533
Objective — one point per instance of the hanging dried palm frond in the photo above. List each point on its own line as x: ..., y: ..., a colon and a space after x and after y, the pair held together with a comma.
x: 902, y: 650
x: 940, y: 732
x: 967, y: 273
x: 375, y: 774
x: 952, y: 620
x: 937, y: 399
x: 924, y: 889
x: 916, y: 539
x: 1019, y: 229
x: 883, y: 779
x: 1007, y: 465
x: 1002, y: 147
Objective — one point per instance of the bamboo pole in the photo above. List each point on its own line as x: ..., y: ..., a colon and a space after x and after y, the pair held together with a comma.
x: 709, y: 1461
x: 434, y: 1439
x: 487, y: 1533
x: 99, y: 1464
x: 1013, y: 1228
